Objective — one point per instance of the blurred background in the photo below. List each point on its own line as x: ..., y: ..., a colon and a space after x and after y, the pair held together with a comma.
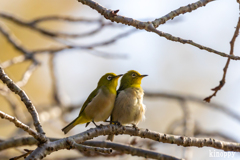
x: 64, y: 79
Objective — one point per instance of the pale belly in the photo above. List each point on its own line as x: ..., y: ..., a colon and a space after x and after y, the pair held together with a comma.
x: 129, y: 107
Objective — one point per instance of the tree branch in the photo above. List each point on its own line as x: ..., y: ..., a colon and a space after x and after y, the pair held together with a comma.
x: 223, y: 80
x: 82, y: 148
x: 21, y: 125
x: 50, y: 147
x: 128, y: 149
x: 31, y: 108
x: 134, y: 151
x: 148, y: 26
x: 181, y: 10
x: 27, y: 74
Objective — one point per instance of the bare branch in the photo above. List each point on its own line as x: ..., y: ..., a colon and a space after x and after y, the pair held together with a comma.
x: 27, y: 74
x: 63, y: 18
x: 17, y: 142
x: 82, y: 148
x: 91, y: 46
x: 19, y: 124
x: 13, y: 40
x: 50, y: 147
x: 31, y: 108
x: 222, y: 82
x: 148, y: 26
x: 122, y: 148
x: 134, y: 151
x: 181, y: 10
x: 15, y: 60
x: 23, y: 155
x: 32, y: 25
x: 15, y: 108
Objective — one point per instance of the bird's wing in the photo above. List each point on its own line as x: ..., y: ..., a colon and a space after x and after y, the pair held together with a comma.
x: 89, y: 99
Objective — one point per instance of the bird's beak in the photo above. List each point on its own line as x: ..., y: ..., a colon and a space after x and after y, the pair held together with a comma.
x: 144, y: 75
x: 117, y: 76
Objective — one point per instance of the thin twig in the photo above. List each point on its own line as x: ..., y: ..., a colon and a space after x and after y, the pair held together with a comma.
x: 27, y: 74
x: 223, y: 80
x: 14, y: 41
x: 62, y: 18
x: 31, y: 108
x: 33, y: 25
x: 181, y: 10
x: 82, y: 148
x: 23, y: 155
x: 14, y: 60
x: 19, y: 124
x: 148, y: 26
x: 134, y: 151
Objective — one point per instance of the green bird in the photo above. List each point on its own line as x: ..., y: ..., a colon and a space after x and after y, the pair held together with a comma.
x: 99, y: 103
x: 129, y: 107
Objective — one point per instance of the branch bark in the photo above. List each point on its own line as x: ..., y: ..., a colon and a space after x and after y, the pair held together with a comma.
x: 31, y: 108
x: 149, y: 26
x: 50, y: 147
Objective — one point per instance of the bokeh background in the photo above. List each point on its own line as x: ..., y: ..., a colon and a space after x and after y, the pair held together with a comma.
x: 172, y: 67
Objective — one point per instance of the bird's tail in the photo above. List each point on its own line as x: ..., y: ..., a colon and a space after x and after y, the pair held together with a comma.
x: 110, y: 137
x: 78, y: 120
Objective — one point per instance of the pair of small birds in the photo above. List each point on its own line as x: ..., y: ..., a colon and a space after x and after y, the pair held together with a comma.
x: 124, y: 105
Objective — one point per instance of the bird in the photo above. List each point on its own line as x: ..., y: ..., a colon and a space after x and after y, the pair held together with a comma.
x: 99, y: 104
x: 128, y: 106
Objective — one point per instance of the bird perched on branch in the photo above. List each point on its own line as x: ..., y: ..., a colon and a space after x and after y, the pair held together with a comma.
x: 129, y: 107
x: 99, y: 103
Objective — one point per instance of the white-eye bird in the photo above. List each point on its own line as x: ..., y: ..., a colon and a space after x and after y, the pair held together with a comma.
x: 129, y: 107
x: 99, y: 104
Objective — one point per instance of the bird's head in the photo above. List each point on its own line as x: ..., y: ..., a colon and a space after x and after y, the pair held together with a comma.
x: 109, y: 80
x: 132, y: 79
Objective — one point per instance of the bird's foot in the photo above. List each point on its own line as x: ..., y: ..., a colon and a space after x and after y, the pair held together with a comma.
x: 98, y: 126
x: 134, y: 126
x: 87, y: 124
x: 114, y: 122
x: 117, y: 123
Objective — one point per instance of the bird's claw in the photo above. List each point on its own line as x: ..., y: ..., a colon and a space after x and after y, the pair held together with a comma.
x: 134, y: 126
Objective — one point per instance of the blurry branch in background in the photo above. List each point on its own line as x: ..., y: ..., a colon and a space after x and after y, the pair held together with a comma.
x: 198, y: 131
x: 191, y: 98
x: 53, y: 35
x: 222, y: 82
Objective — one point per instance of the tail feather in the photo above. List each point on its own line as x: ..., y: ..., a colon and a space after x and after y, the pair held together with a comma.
x: 110, y: 137
x: 78, y: 120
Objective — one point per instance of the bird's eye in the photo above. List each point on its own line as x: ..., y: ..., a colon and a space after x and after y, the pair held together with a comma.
x: 133, y: 75
x: 109, y: 78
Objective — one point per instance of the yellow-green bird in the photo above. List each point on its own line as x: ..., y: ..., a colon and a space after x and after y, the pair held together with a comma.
x: 99, y: 103
x: 129, y: 107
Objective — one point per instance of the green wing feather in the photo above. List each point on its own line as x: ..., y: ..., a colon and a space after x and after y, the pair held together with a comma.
x: 89, y: 99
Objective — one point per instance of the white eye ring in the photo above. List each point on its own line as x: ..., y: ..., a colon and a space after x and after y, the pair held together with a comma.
x: 109, y: 78
x: 133, y: 75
